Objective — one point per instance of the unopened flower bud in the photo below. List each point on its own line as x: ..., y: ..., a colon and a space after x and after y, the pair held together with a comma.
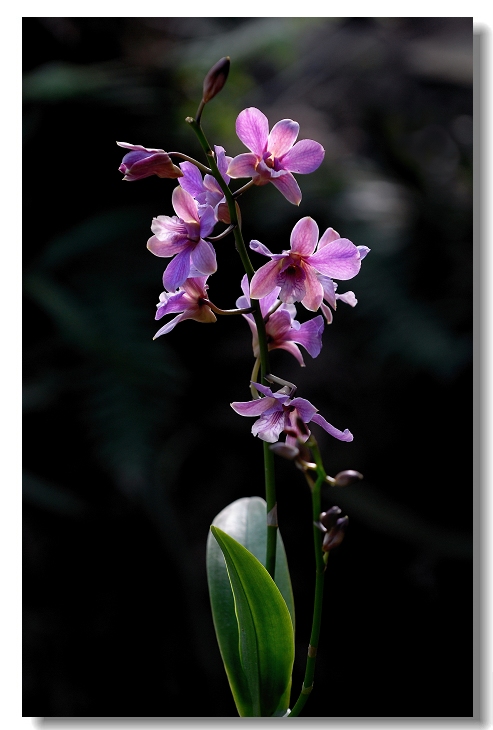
x: 335, y: 535
x: 347, y: 477
x: 143, y: 162
x: 328, y: 519
x: 215, y: 79
x: 282, y: 449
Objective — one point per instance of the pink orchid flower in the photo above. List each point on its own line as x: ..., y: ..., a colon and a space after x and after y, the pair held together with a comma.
x: 274, y: 156
x: 184, y: 235
x: 207, y: 191
x: 283, y: 331
x: 279, y: 412
x: 143, y: 162
x: 297, y: 271
x: 189, y: 301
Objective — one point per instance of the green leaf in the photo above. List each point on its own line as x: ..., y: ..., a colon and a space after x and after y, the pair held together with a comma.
x: 258, y: 657
x: 245, y: 520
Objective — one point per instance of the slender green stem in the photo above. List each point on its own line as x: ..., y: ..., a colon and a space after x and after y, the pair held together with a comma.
x: 190, y: 159
x: 235, y: 219
x: 319, y: 581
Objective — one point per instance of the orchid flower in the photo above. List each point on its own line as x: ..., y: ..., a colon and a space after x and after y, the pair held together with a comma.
x: 279, y: 412
x: 207, y: 191
x: 283, y: 331
x: 143, y: 162
x: 189, y: 301
x: 274, y: 156
x: 297, y: 271
x: 184, y: 235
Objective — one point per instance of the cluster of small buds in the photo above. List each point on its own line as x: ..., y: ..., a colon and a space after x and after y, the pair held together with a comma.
x: 333, y: 526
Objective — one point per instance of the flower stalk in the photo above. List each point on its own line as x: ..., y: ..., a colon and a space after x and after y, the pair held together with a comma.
x: 269, y: 467
x: 320, y: 566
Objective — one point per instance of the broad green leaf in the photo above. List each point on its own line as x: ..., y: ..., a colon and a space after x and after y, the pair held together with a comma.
x: 245, y: 521
x: 266, y: 635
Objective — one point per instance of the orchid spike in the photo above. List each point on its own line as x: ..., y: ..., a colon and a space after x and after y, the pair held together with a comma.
x: 143, y: 162
x: 274, y: 156
x: 283, y: 331
x: 189, y: 301
x: 297, y: 271
x: 279, y: 413
x: 184, y: 235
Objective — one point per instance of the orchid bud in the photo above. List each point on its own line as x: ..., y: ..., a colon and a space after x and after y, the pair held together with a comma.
x: 328, y: 519
x: 347, y: 477
x: 143, y: 162
x: 335, y: 535
x: 282, y: 449
x: 215, y: 79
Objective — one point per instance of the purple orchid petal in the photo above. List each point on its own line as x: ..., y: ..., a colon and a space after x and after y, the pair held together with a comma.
x: 269, y: 426
x: 222, y: 212
x: 169, y: 228
x: 327, y: 313
x: 309, y: 335
x: 264, y: 389
x: 329, y: 288
x: 293, y: 349
x: 213, y: 187
x: 177, y: 270
x: 314, y: 292
x: 245, y: 288
x: 341, y: 435
x: 278, y: 325
x: 339, y: 259
x: 348, y: 298
x: 185, y: 206
x: 305, y: 410
x: 207, y: 220
x: 222, y: 162
x: 282, y: 137
x: 287, y: 185
x: 304, y: 157
x: 192, y: 180
x: 264, y: 280
x: 244, y: 165
x: 169, y: 326
x: 363, y: 251
x: 196, y: 287
x: 253, y: 407
x: 171, y: 303
x: 304, y: 237
x: 329, y: 236
x: 267, y: 302
x: 204, y: 257
x: 138, y: 147
x: 260, y: 248
x: 165, y: 249
x: 252, y: 127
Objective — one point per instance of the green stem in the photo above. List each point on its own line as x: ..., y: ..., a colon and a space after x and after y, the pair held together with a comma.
x: 270, y: 486
x: 320, y: 565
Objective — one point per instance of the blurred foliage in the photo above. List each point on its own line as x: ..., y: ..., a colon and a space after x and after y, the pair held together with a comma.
x: 132, y: 445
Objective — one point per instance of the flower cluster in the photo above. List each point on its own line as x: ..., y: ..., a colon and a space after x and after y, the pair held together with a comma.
x: 303, y: 273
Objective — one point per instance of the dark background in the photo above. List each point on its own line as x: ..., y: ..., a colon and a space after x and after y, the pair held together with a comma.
x: 131, y: 447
